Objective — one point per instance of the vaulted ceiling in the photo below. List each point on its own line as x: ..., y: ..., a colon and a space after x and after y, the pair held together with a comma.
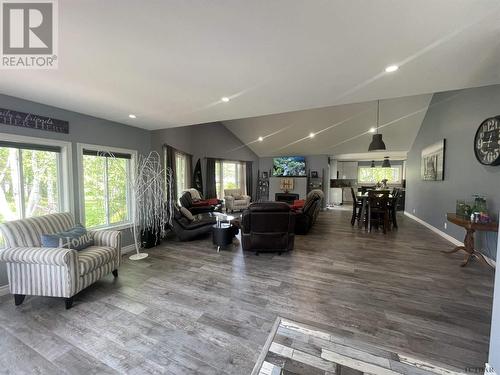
x: 337, y: 130
x: 171, y: 62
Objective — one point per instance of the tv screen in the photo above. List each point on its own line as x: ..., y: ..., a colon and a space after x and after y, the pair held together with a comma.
x: 290, y: 166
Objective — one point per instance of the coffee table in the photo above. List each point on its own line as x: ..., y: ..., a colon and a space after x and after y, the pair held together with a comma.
x: 222, y: 234
x: 226, y: 227
x: 222, y: 217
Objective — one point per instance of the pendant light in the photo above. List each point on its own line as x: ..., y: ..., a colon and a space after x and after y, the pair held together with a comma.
x: 373, y: 164
x: 377, y: 143
x: 386, y: 163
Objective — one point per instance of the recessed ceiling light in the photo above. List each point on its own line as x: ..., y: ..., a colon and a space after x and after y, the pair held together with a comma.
x: 311, y: 135
x: 132, y: 115
x: 372, y: 130
x: 225, y: 99
x: 260, y: 139
x: 391, y: 68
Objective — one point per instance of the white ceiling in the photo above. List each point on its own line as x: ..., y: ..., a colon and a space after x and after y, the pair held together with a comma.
x: 170, y: 62
x: 338, y: 130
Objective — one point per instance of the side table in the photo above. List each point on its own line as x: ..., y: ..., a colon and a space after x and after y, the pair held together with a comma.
x: 222, y: 234
x: 470, y: 228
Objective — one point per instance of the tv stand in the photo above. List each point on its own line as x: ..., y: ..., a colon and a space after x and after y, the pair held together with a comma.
x: 286, y: 197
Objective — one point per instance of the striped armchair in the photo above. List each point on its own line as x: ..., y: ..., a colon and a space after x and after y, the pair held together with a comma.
x: 55, y: 272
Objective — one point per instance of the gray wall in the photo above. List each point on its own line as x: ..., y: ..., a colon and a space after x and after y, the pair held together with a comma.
x: 212, y: 140
x: 83, y: 129
x: 455, y: 116
x: 313, y: 163
x: 299, y: 187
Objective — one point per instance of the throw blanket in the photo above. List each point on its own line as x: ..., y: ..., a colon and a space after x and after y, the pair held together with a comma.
x: 206, y: 202
x: 195, y: 194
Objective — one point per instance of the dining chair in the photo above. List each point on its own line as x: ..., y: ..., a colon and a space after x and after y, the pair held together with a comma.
x: 357, y: 204
x: 378, y: 209
x: 393, y: 206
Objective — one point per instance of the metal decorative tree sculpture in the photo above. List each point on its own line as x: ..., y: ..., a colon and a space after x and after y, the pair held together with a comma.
x: 151, y: 188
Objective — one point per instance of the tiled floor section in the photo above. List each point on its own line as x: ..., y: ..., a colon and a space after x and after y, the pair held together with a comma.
x: 295, y: 348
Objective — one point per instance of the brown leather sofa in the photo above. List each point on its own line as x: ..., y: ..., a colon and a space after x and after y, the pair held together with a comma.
x: 268, y: 226
x: 307, y: 215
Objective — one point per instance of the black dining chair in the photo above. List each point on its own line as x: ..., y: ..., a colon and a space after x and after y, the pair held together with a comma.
x: 357, y: 204
x: 393, y: 206
x: 378, y: 209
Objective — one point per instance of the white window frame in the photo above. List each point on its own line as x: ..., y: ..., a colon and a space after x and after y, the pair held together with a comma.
x: 131, y: 171
x: 185, y: 182
x: 65, y: 167
x: 400, y: 167
x: 240, y: 176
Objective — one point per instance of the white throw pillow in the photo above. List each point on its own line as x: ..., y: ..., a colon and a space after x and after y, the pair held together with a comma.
x: 186, y: 213
x: 195, y: 195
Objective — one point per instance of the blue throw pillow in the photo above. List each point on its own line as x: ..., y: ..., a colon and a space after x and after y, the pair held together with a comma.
x: 75, y: 238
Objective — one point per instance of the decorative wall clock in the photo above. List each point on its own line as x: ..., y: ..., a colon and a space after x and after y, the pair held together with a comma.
x: 487, y: 142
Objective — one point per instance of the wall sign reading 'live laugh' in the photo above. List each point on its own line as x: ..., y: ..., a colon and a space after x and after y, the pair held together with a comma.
x: 31, y: 121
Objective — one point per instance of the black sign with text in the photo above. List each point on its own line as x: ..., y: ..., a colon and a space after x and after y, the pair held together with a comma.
x: 31, y: 121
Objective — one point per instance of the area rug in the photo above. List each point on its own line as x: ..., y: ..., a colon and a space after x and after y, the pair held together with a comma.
x: 298, y: 348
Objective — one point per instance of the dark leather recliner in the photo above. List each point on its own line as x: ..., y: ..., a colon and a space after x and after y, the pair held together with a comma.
x: 268, y: 226
x: 187, y: 230
x: 307, y: 215
x: 201, y: 207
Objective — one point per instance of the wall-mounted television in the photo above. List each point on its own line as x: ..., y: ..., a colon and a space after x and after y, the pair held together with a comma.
x: 289, y: 166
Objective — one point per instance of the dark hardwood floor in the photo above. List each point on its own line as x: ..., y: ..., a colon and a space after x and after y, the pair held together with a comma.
x: 188, y: 309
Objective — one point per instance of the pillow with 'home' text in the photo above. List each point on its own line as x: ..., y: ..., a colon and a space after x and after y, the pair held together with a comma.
x: 76, y: 238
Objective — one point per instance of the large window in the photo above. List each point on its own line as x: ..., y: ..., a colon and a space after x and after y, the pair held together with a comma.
x: 182, y: 173
x: 373, y: 175
x: 106, y: 176
x: 29, y: 182
x: 35, y: 177
x: 229, y: 175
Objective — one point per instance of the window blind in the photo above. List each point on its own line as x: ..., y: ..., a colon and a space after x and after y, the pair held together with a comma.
x: 107, y: 154
x: 30, y: 146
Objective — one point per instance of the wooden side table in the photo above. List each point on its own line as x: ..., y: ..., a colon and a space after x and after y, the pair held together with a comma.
x: 470, y: 228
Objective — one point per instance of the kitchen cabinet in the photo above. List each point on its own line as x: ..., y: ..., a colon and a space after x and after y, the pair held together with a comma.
x: 347, y: 170
x: 347, y: 195
x: 336, y: 197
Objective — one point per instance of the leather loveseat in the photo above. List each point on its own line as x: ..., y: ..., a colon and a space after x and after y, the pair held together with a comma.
x: 307, y: 215
x: 268, y: 226
x: 187, y: 230
x: 201, y: 206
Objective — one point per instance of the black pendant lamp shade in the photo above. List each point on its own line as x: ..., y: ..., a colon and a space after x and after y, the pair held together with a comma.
x: 377, y: 143
x: 386, y: 163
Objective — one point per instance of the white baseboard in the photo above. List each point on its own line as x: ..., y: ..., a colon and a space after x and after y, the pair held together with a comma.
x: 4, y: 290
x: 446, y: 236
x: 128, y: 249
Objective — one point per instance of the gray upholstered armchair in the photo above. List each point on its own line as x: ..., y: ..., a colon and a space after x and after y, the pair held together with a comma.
x: 235, y: 200
x: 55, y: 272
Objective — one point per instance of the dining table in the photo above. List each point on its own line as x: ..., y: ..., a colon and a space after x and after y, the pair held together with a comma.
x: 363, y: 197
